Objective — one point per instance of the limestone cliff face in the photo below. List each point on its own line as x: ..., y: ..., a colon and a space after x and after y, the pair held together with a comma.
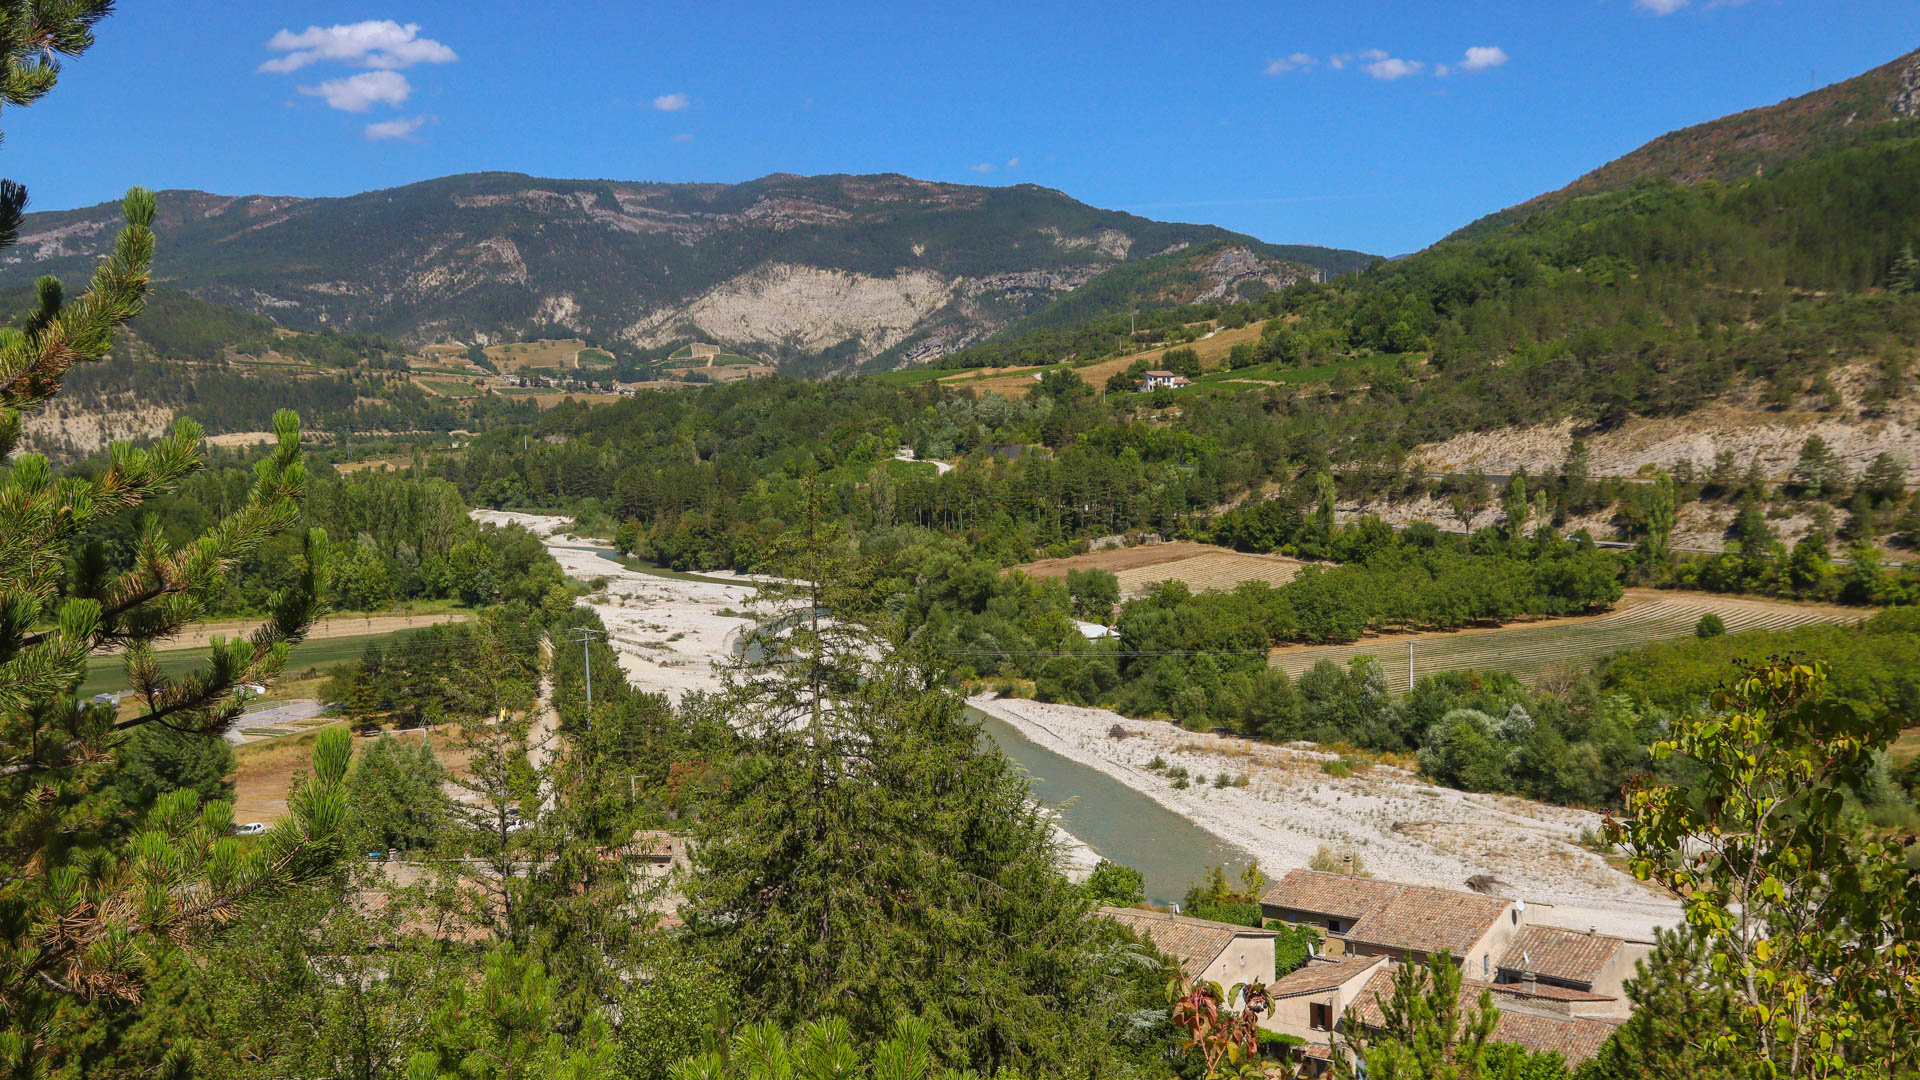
x: 843, y: 268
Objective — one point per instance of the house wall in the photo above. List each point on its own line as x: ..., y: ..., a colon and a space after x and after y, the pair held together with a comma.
x: 1482, y: 955
x: 1612, y: 980
x: 1293, y: 1015
x: 1247, y: 958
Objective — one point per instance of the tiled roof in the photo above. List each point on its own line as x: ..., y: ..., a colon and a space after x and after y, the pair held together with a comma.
x: 1542, y: 990
x: 1319, y: 975
x: 1394, y: 916
x: 1337, y: 895
x: 1195, y: 943
x: 1429, y: 921
x: 1576, y: 1039
x: 1555, y: 953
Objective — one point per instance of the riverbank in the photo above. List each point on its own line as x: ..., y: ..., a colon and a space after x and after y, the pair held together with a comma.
x: 1400, y: 827
x: 667, y: 632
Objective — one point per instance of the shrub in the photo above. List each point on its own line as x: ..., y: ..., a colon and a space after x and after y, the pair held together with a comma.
x: 1116, y: 884
x: 1117, y: 732
x: 1710, y: 625
x: 1237, y: 912
x: 1339, y: 769
x: 1180, y: 784
x: 1343, y: 861
x: 1157, y: 763
x: 1222, y: 780
x: 1178, y: 772
x: 1278, y: 1045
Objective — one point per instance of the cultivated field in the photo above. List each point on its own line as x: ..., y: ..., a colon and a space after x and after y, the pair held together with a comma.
x: 562, y: 353
x: 1013, y: 382
x: 1201, y: 566
x: 1531, y: 651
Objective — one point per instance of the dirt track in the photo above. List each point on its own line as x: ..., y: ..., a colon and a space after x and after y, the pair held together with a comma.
x: 200, y: 635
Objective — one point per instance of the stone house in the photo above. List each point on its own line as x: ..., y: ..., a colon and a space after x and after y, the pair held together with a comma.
x: 1204, y: 949
x: 1365, y: 917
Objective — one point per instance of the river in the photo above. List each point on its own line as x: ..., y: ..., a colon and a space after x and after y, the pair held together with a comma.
x: 1117, y: 822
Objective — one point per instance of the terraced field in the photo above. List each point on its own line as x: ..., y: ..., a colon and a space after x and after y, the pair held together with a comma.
x: 1530, y: 650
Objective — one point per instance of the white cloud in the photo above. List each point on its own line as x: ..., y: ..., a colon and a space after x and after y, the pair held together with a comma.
x: 983, y: 167
x: 1391, y: 68
x: 1660, y: 7
x: 1297, y: 62
x: 683, y: 137
x: 358, y: 93
x: 673, y: 102
x: 402, y: 128
x: 374, y: 43
x: 1482, y: 57
x: 1013, y: 163
x: 1387, y: 67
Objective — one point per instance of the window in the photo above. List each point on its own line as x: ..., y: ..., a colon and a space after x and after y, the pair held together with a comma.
x: 1486, y: 964
x: 1320, y: 1016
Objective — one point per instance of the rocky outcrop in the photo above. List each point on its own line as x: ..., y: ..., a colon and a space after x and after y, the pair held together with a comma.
x: 1905, y: 101
x: 807, y: 308
x: 1228, y: 272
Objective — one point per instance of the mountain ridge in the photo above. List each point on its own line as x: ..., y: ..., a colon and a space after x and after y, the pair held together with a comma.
x: 1741, y: 143
x: 823, y: 271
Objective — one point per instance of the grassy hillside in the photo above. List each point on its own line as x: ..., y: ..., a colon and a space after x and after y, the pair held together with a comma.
x: 1745, y: 144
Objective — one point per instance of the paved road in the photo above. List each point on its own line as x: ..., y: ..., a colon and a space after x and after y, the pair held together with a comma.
x: 285, y: 712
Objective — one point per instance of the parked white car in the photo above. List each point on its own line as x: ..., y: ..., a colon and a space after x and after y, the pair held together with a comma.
x: 251, y: 828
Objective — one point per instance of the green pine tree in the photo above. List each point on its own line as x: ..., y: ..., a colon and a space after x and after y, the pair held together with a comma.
x: 83, y: 918
x: 1904, y: 277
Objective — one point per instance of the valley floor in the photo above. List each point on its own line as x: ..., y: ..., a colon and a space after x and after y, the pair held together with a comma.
x: 1402, y: 828
x: 668, y: 632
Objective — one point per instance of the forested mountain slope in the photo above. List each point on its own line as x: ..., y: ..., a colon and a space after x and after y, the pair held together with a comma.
x: 821, y: 271
x: 1746, y: 143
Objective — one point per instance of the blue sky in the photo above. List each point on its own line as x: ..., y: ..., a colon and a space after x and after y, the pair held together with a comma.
x: 1361, y: 123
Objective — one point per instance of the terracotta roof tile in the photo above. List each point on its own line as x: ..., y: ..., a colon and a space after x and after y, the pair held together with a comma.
x: 1337, y: 895
x: 1544, y: 990
x: 1429, y: 921
x: 1576, y: 1039
x: 1195, y: 943
x: 1319, y: 975
x: 1392, y: 915
x: 1556, y: 953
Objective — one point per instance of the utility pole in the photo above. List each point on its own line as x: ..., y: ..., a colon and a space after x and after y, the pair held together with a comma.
x: 587, y: 634
x: 1409, y: 667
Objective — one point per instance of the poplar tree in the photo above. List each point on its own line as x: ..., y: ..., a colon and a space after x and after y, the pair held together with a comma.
x: 80, y: 917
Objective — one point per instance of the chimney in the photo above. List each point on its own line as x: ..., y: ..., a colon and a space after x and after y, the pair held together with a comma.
x: 1531, y: 983
x: 1590, y: 931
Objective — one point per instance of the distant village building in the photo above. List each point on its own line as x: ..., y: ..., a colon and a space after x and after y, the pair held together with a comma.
x: 1094, y: 631
x: 1162, y: 380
